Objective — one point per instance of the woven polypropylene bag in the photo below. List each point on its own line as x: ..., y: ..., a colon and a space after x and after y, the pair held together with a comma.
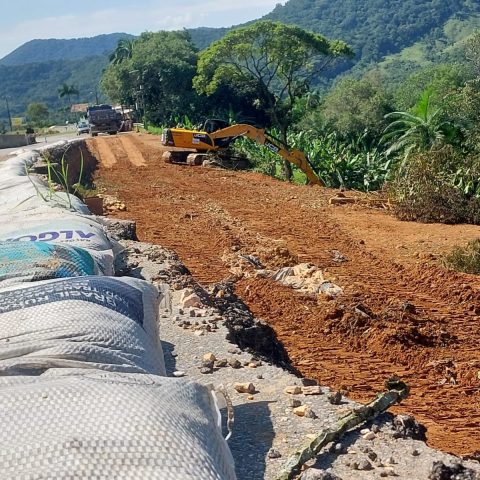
x: 62, y: 228
x: 34, y: 261
x: 87, y: 322
x: 110, y: 426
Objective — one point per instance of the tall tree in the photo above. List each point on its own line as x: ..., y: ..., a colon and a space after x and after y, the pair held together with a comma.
x: 157, y: 78
x: 276, y: 60
x: 37, y: 113
x: 423, y: 129
x: 123, y: 51
x: 67, y: 91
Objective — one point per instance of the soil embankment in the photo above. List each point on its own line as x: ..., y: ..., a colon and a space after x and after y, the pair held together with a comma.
x: 401, y: 313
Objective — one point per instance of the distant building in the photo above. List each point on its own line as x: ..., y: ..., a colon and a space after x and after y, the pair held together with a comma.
x: 79, y: 108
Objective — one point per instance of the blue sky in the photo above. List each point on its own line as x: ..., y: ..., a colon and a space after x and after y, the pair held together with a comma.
x: 24, y: 20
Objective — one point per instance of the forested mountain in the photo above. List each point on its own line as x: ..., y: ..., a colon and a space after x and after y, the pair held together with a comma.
x: 375, y: 28
x: 37, y: 51
x: 39, y: 82
x: 397, y: 34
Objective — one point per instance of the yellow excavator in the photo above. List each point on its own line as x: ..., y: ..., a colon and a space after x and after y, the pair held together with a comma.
x: 217, y: 135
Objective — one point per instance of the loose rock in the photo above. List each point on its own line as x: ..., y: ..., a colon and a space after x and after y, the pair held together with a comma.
x: 369, y: 436
x: 221, y: 363
x: 294, y: 402
x: 244, y: 387
x: 209, y: 357
x: 179, y: 373
x: 364, y: 465
x: 312, y: 390
x: 272, y: 453
x: 457, y: 471
x: 293, y: 390
x: 335, y: 398
x: 234, y: 363
x: 300, y: 411
x: 408, y: 427
x: 317, y: 474
x: 206, y: 370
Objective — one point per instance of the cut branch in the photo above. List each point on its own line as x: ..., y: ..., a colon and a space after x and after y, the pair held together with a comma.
x: 359, y: 416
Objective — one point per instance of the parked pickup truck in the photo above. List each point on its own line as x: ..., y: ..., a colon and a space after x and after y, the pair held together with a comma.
x: 103, y: 119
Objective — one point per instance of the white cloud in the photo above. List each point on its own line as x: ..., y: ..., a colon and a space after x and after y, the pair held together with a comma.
x: 132, y: 19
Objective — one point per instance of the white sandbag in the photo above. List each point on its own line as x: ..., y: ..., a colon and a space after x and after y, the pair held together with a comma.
x: 22, y: 262
x: 62, y: 228
x: 83, y: 322
x: 100, y: 425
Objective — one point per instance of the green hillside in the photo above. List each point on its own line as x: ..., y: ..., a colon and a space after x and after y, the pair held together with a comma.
x: 37, y: 51
x: 39, y: 82
x: 376, y: 28
x: 398, y: 35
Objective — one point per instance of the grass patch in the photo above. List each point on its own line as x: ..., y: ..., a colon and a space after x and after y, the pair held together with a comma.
x: 464, y: 259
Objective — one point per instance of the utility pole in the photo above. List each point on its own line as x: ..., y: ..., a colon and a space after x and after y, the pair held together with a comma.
x: 8, y: 113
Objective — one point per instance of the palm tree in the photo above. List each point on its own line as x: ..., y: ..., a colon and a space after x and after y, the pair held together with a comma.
x: 123, y: 51
x: 422, y: 130
x: 67, y: 91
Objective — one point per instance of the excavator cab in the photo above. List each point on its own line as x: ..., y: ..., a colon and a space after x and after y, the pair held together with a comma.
x: 213, y: 124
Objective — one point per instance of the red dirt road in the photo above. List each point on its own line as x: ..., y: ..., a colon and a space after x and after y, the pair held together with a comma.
x: 401, y: 313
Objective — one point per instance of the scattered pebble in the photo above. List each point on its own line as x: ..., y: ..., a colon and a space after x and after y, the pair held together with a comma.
x: 294, y: 402
x: 300, y: 411
x: 221, y: 363
x: 209, y: 357
x: 369, y: 436
x: 293, y: 390
x: 388, y: 472
x: 244, y: 387
x: 234, y: 363
x: 272, y: 453
x: 179, y: 373
x: 310, y: 413
x: 415, y: 452
x: 199, y: 333
x: 206, y: 370
x: 335, y: 398
x: 364, y: 465
x: 312, y: 390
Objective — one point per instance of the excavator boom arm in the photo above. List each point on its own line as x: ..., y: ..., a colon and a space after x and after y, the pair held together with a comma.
x: 259, y: 136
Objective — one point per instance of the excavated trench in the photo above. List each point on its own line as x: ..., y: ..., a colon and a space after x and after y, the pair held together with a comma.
x: 400, y: 312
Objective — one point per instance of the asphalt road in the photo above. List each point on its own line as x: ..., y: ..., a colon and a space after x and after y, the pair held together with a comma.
x: 41, y: 141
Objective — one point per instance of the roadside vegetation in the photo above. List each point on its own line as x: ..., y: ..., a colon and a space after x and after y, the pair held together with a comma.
x: 417, y: 139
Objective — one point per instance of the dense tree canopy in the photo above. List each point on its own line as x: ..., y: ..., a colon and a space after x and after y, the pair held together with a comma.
x: 37, y: 113
x: 156, y: 76
x: 278, y: 60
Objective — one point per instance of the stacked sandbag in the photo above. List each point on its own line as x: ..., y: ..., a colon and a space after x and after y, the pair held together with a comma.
x: 61, y: 228
x: 22, y: 262
x: 84, y: 322
x: 83, y: 392
x: 91, y: 425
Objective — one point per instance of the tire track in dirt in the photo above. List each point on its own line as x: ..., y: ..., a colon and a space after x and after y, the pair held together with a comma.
x: 101, y: 149
x: 133, y: 153
x: 205, y: 214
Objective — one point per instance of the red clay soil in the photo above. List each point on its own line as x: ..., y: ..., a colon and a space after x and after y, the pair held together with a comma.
x: 401, y: 312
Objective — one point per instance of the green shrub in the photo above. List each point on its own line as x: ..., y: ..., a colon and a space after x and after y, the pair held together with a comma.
x: 438, y: 186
